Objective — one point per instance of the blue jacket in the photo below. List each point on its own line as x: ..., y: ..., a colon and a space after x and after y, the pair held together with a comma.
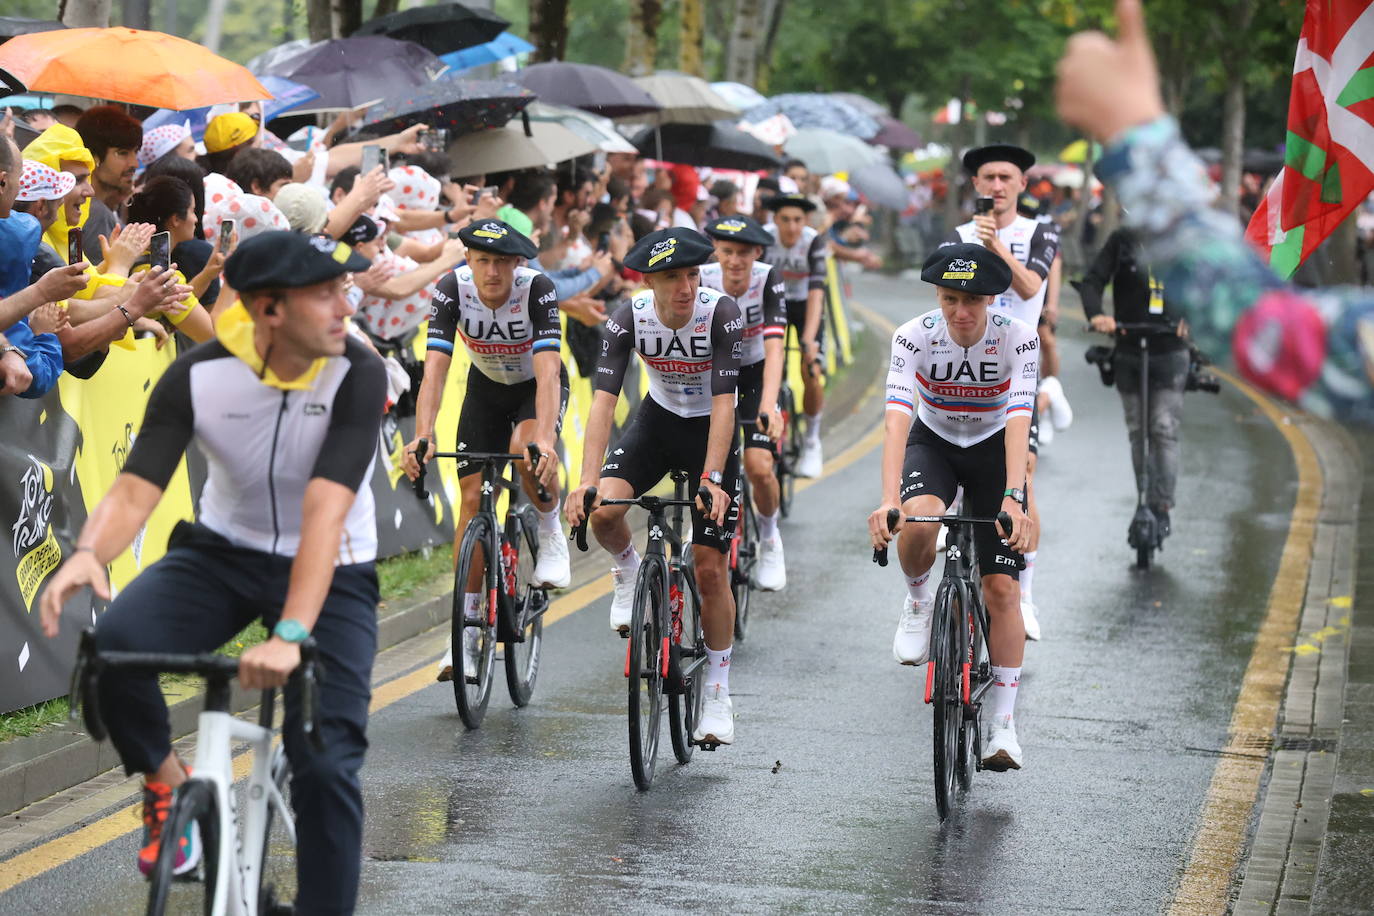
x: 44, y: 357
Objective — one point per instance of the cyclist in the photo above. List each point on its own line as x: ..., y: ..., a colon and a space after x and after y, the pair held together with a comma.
x: 517, y: 387
x: 688, y: 338
x: 757, y: 289
x: 967, y: 372
x: 286, y: 408
x: 799, y: 252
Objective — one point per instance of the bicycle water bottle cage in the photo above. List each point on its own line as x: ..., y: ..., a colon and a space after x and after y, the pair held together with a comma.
x: 1100, y: 356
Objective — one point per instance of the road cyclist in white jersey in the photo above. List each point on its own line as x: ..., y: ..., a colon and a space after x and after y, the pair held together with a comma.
x: 688, y: 339
x: 967, y: 372
x: 506, y: 317
x: 799, y: 253
x: 757, y: 289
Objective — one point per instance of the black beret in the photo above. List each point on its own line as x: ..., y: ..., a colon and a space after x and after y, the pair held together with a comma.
x: 976, y: 158
x: 778, y: 201
x: 968, y: 268
x: 1028, y: 205
x: 498, y: 238
x: 364, y: 229
x: 670, y: 249
x: 288, y: 260
x: 738, y: 228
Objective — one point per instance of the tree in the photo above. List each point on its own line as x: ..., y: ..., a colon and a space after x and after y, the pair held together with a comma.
x: 549, y: 29
x: 745, y: 43
x: 84, y: 14
x: 692, y: 36
x: 641, y: 41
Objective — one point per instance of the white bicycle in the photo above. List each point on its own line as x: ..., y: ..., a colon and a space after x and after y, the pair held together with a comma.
x: 235, y: 838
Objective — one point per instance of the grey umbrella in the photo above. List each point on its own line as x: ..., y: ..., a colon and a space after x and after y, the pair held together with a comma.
x: 718, y: 146
x: 515, y: 147
x: 356, y: 72
x: 586, y: 86
x: 826, y: 151
x: 880, y: 185
x: 684, y: 100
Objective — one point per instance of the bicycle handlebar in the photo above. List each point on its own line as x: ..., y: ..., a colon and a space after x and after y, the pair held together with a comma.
x: 1003, y: 521
x: 422, y: 449
x: 1144, y: 328
x: 579, y: 531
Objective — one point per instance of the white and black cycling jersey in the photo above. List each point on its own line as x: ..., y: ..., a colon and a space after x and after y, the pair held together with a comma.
x: 1033, y: 243
x: 501, y: 342
x: 264, y: 444
x: 802, y: 265
x: 762, y: 306
x: 688, y: 366
x: 963, y: 394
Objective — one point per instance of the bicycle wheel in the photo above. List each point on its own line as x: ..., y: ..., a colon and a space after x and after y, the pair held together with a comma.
x: 945, y: 699
x: 277, y: 872
x: 525, y: 623
x: 970, y: 732
x: 646, y: 657
x: 688, y: 645
x: 195, y: 801
x: 744, y: 557
x: 789, y: 450
x: 472, y: 692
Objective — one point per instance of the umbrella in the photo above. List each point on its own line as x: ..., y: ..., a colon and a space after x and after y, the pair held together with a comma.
x: 826, y: 152
x: 865, y: 105
x: 589, y: 87
x: 719, y: 146
x: 356, y: 72
x: 773, y: 131
x: 741, y: 96
x: 286, y: 96
x: 11, y: 26
x: 499, y: 48
x: 460, y: 105
x: 128, y: 65
x: 441, y: 28
x: 269, y: 59
x: 895, y: 135
x: 881, y: 185
x: 513, y: 147
x: 684, y: 100
x: 590, y: 127
x: 9, y: 85
x: 812, y: 109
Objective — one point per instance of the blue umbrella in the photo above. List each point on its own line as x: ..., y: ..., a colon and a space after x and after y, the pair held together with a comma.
x: 499, y: 48
x: 286, y: 96
x: 811, y: 109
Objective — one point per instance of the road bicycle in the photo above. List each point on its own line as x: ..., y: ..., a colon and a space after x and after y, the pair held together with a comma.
x: 959, y: 673
x: 234, y: 832
x: 789, y: 447
x: 744, y: 557
x: 667, y: 649
x: 511, y: 609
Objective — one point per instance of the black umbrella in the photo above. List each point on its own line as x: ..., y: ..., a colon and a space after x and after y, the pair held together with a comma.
x: 462, y: 106
x: 441, y: 28
x: 353, y: 72
x: 588, y: 87
x: 11, y: 26
x: 10, y: 84
x: 719, y: 146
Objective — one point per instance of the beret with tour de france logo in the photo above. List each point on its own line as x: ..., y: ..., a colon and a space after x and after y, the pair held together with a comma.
x: 968, y: 268
x: 669, y: 249
x: 738, y: 228
x: 497, y: 237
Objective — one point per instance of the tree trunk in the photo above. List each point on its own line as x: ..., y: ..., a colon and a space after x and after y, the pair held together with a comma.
x: 742, y: 50
x: 288, y: 20
x: 214, y: 24
x: 386, y: 8
x: 690, y: 37
x: 84, y: 14
x: 549, y: 29
x: 137, y: 14
x: 641, y: 39
x: 770, y: 37
x: 319, y: 25
x: 1232, y: 144
x: 346, y: 16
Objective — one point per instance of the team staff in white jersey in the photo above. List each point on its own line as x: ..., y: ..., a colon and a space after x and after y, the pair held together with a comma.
x: 968, y: 374
x: 757, y: 289
x: 799, y: 253
x: 688, y: 338
x: 517, y: 387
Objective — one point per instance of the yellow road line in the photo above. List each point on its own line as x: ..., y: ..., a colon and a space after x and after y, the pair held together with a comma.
x: 1206, y: 882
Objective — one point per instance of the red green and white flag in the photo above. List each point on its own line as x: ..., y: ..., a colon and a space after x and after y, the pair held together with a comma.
x: 1329, y: 158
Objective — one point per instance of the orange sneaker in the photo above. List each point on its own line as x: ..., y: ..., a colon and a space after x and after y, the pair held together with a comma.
x: 157, y: 802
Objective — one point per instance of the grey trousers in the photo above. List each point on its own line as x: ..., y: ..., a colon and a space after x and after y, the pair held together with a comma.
x: 1168, y: 374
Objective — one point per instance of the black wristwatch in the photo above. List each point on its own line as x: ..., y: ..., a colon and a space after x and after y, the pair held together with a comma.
x: 1016, y: 493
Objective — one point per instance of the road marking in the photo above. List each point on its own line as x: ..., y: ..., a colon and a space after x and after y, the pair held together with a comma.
x: 1205, y: 886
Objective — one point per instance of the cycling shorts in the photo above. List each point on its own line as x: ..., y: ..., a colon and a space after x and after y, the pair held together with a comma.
x: 796, y: 317
x: 658, y: 441
x: 1035, y: 428
x: 936, y: 467
x: 491, y: 411
x: 750, y: 394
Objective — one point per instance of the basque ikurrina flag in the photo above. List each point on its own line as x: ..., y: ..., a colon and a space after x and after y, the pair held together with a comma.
x: 1329, y: 158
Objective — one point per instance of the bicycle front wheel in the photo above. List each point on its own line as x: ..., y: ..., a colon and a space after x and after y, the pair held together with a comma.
x: 646, y: 659
x: 976, y: 654
x: 745, y: 550
x: 946, y: 699
x: 474, y: 656
x: 194, y: 803
x: 525, y: 623
x: 789, y: 451
x: 688, y: 646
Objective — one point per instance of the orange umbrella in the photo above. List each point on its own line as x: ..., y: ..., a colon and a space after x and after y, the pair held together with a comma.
x: 128, y: 65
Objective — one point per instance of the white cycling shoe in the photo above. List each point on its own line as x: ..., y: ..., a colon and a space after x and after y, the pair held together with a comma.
x: 1029, y: 620
x: 622, y: 605
x: 472, y: 651
x: 717, y: 723
x: 809, y: 462
x: 1001, y: 752
x: 554, y: 569
x: 911, y: 645
x: 771, y: 573
x: 1061, y: 412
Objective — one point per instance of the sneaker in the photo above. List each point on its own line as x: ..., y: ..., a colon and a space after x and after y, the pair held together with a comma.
x: 445, y: 667
x: 1044, y: 431
x: 809, y: 462
x: 472, y: 651
x: 1028, y: 619
x: 771, y: 573
x: 157, y: 802
x: 553, y: 569
x: 1162, y: 526
x: 717, y: 723
x: 1061, y: 413
x: 940, y: 539
x: 911, y: 645
x: 622, y: 605
x: 1001, y: 752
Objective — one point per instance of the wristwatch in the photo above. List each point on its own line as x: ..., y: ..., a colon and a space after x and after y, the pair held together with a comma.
x: 11, y: 348
x: 716, y: 477
x: 290, y: 631
x: 1016, y: 493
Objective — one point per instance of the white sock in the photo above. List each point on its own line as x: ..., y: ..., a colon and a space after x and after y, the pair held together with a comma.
x: 1027, y: 575
x: 813, y: 428
x: 548, y: 521
x: 472, y: 604
x: 768, y: 525
x: 718, y: 669
x: 919, y: 587
x: 1004, y: 684
x: 627, y: 561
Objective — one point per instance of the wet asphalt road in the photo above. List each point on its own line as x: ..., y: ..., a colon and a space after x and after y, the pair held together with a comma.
x: 824, y: 803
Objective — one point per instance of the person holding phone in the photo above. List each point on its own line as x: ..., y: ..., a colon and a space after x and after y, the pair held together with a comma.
x: 168, y: 204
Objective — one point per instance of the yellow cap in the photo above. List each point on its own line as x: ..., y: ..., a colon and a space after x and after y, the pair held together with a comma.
x: 229, y: 130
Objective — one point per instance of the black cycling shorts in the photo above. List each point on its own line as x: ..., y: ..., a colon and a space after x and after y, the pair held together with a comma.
x: 1035, y: 427
x: 492, y: 410
x: 658, y: 441
x: 750, y: 394
x: 796, y: 317
x: 937, y: 467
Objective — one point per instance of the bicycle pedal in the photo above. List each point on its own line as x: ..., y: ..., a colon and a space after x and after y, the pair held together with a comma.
x: 623, y: 632
x: 707, y: 745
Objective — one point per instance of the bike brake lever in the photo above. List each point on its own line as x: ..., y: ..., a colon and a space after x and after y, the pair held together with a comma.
x: 580, y: 529
x: 1004, y: 523
x: 880, y: 553
x: 308, y: 678
x: 534, y: 454
x: 421, y: 449
x: 704, y: 495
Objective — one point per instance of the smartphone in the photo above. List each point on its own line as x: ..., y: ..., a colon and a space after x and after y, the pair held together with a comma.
x: 435, y: 139
x: 226, y: 233
x: 489, y: 191
x: 160, y: 250
x: 75, y: 255
x: 603, y: 242
x: 373, y: 156
x: 982, y: 205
